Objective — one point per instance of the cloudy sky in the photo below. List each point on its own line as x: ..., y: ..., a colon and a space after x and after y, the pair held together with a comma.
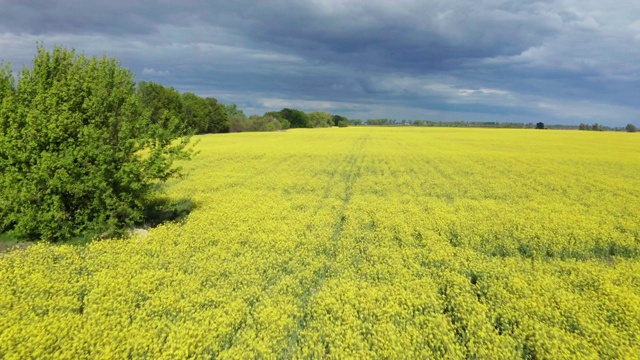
x: 557, y: 61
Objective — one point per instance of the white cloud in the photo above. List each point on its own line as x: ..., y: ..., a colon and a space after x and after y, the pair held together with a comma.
x: 594, y: 42
x: 154, y: 72
x: 448, y: 89
x: 483, y: 92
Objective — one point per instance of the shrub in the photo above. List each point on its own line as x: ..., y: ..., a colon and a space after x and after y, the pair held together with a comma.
x: 79, y: 153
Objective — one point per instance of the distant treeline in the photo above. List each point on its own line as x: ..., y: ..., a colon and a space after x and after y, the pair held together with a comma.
x: 188, y: 113
x: 281, y: 120
x: 489, y: 124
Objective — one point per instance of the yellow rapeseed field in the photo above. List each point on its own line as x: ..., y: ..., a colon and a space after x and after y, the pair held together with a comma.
x: 357, y: 243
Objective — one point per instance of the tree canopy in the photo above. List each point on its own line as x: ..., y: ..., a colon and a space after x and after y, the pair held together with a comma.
x: 320, y: 119
x: 165, y: 106
x: 296, y: 118
x: 203, y: 115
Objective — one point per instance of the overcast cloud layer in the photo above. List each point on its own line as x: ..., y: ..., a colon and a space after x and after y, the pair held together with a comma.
x: 557, y: 61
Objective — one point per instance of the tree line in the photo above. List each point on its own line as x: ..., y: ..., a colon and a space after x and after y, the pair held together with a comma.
x: 490, y: 124
x: 189, y: 113
x: 599, y: 127
x: 282, y: 120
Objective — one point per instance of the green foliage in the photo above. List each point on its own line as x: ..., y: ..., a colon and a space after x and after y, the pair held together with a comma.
x: 279, y: 120
x: 203, y: 116
x: 219, y: 123
x: 484, y: 124
x: 238, y: 123
x: 320, y: 119
x: 165, y: 106
x: 78, y: 151
x: 7, y: 83
x: 337, y: 118
x: 540, y: 125
x: 233, y: 110
x: 163, y: 209
x: 196, y: 112
x: 263, y: 123
x: 631, y: 128
x: 380, y: 122
x: 275, y: 114
x: 296, y: 118
x: 598, y: 127
x: 271, y: 121
x: 343, y: 123
x: 285, y: 124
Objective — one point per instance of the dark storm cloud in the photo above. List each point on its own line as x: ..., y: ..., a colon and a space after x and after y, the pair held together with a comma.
x: 566, y: 60
x: 47, y: 17
x: 398, y: 35
x: 413, y: 31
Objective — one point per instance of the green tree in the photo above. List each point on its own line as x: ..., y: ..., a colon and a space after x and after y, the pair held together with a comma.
x: 320, y: 119
x: 164, y: 105
x: 284, y: 123
x: 232, y: 110
x: 203, y: 116
x: 238, y: 123
x: 271, y: 123
x: 296, y: 118
x: 78, y: 152
x: 631, y: 128
x: 337, y: 119
x: 274, y: 114
x: 7, y: 99
x: 219, y: 123
x: 196, y: 113
x: 540, y: 125
x: 379, y: 122
x: 262, y: 123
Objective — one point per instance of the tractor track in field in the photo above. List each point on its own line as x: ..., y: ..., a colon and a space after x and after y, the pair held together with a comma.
x: 349, y: 178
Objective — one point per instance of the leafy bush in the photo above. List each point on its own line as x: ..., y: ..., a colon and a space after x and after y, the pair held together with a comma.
x: 78, y: 152
x: 203, y: 115
x: 296, y: 118
x: 166, y: 107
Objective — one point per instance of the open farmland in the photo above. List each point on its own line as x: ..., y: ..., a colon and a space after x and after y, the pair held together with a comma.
x: 358, y: 242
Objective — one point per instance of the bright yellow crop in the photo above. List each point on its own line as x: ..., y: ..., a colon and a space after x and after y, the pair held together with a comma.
x: 358, y: 243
